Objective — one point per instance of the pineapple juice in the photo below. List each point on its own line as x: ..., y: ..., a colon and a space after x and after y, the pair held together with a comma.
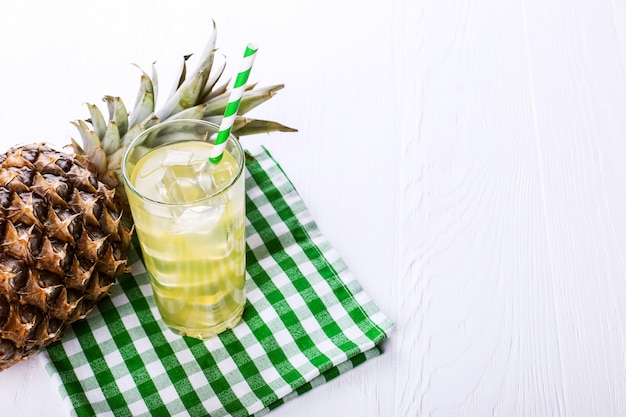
x: 194, y: 252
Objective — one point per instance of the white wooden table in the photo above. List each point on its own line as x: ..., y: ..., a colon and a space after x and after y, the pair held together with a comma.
x: 467, y: 158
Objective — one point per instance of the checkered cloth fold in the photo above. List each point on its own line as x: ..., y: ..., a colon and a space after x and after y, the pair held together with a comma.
x: 306, y: 321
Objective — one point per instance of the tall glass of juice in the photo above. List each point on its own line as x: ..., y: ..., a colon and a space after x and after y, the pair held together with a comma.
x: 189, y: 215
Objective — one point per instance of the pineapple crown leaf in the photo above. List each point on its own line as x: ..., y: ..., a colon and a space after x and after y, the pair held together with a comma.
x: 217, y: 91
x: 189, y: 90
x: 143, y: 109
x: 145, y: 101
x: 198, y: 94
x: 97, y: 119
x: 98, y: 157
x: 155, y: 82
x: 111, y: 140
x: 75, y: 146
x: 135, y: 130
x: 181, y: 77
x: 255, y: 126
x: 89, y: 137
x: 146, y: 83
x: 243, y: 126
x: 183, y: 72
x: 217, y: 72
x: 115, y: 159
x: 117, y: 112
x: 249, y: 100
x: 185, y: 96
x: 195, y: 112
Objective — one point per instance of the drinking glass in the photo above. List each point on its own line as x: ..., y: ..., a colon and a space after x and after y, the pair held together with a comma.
x: 189, y: 215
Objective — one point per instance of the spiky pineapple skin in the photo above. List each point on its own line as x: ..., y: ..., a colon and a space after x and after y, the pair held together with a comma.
x: 63, y: 243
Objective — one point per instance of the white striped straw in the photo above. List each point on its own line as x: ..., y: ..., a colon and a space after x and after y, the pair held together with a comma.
x: 234, y: 100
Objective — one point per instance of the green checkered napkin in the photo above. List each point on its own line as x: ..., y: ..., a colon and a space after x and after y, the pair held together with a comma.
x: 307, y: 320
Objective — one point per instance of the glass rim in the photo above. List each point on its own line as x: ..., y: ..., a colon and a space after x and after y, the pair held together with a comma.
x: 231, y: 138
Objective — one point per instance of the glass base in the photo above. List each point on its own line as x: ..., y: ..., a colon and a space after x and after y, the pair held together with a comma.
x: 208, y: 332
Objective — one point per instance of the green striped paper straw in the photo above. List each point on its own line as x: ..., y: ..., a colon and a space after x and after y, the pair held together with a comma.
x: 233, y: 103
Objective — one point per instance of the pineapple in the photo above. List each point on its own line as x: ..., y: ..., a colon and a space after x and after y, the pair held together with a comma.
x: 65, y: 226
x: 62, y: 245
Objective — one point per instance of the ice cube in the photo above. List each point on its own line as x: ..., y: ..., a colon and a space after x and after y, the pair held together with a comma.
x: 198, y: 219
x: 174, y: 157
x: 214, y: 177
x: 223, y: 173
x: 179, y: 184
x: 203, y: 173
